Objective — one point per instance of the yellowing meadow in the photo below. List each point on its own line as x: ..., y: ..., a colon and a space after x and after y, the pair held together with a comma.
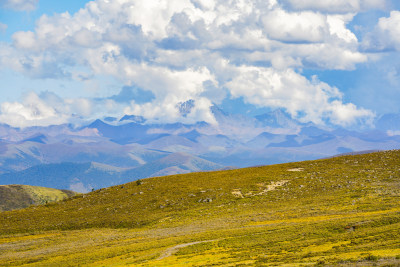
x: 342, y: 211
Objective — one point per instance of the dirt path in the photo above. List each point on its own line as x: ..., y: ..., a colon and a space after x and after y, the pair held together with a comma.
x: 172, y: 250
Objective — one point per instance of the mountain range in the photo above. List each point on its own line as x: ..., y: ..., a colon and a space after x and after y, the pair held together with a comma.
x: 112, y: 151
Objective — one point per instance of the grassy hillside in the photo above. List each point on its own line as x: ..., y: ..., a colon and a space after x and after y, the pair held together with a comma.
x: 21, y: 196
x: 339, y: 211
x: 83, y: 177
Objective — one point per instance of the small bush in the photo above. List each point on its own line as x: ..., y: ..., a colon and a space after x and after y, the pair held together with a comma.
x: 371, y: 258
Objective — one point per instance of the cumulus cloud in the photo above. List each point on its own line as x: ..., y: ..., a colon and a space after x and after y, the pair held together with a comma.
x: 234, y: 31
x: 33, y: 111
x: 386, y: 35
x: 295, y: 27
x: 304, y: 99
x: 19, y: 5
x: 47, y: 108
x: 200, y: 51
x: 171, y: 88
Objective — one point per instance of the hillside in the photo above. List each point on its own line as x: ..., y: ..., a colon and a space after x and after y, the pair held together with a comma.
x: 339, y: 211
x: 21, y: 196
x: 83, y: 177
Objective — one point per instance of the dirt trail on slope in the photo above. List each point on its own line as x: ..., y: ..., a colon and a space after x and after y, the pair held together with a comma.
x: 172, y: 250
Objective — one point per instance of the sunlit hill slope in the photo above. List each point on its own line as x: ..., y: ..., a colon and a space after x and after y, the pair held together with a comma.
x: 339, y: 211
x: 22, y: 196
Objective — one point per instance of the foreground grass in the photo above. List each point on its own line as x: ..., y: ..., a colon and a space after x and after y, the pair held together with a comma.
x: 340, y: 211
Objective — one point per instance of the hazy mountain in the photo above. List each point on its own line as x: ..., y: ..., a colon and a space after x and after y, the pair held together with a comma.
x: 182, y: 162
x: 173, y: 143
x: 61, y: 175
x: 130, y: 142
x: 277, y: 119
x: 265, y: 139
x: 83, y: 177
x: 22, y: 155
x: 133, y: 118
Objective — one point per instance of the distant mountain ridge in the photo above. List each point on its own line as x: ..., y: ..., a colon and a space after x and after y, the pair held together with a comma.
x: 133, y: 143
x: 277, y: 119
x: 83, y: 177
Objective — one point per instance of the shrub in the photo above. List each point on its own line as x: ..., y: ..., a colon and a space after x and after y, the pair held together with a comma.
x: 371, y: 258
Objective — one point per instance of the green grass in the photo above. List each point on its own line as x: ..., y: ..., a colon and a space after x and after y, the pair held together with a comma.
x: 22, y: 196
x: 340, y: 211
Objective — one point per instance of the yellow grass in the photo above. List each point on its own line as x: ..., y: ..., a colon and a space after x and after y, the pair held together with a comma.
x: 341, y: 211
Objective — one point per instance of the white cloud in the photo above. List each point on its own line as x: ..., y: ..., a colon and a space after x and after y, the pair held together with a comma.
x: 328, y: 56
x: 171, y: 88
x: 19, y: 5
x: 306, y: 100
x: 308, y: 26
x: 386, y: 35
x: 335, y: 6
x: 49, y: 109
x: 337, y: 27
x: 184, y: 50
x: 348, y: 114
x: 32, y: 112
x: 295, y: 27
x: 109, y: 31
x: 24, y: 40
x: 155, y: 15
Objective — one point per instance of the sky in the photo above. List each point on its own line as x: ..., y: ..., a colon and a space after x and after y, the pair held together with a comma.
x: 332, y: 62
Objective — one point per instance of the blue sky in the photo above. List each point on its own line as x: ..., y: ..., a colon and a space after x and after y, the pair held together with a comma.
x: 327, y: 62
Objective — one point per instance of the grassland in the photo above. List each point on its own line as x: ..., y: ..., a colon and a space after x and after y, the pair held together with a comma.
x: 21, y: 196
x: 342, y: 211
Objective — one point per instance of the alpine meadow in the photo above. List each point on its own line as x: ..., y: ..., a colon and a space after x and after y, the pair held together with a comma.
x: 342, y: 211
x: 200, y: 133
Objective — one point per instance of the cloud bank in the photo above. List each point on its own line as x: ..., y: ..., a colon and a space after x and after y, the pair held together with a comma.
x: 195, y: 50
